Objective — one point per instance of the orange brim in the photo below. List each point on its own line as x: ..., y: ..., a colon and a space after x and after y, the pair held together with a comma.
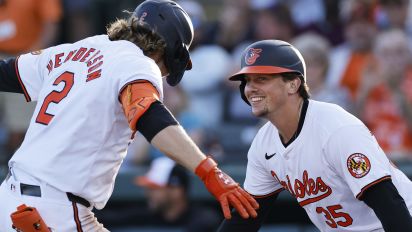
x: 258, y: 69
x: 145, y: 182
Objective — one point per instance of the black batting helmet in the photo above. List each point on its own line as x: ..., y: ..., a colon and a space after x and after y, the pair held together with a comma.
x: 269, y: 57
x: 173, y: 24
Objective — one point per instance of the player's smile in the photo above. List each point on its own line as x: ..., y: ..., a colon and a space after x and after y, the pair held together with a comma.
x: 259, y: 105
x: 256, y: 99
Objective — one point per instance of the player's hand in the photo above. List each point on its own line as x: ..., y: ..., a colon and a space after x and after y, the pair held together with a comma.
x: 226, y: 190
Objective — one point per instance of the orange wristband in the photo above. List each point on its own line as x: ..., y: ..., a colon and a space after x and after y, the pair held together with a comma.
x: 205, y: 167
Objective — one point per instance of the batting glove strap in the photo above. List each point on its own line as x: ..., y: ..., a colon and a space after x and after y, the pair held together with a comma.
x: 205, y: 167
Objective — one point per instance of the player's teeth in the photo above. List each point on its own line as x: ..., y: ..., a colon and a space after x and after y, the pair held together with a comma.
x: 255, y: 99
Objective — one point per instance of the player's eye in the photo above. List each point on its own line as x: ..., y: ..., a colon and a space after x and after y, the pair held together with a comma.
x: 261, y: 78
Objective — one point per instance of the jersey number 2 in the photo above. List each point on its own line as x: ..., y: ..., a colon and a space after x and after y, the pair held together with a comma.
x: 55, y: 97
x: 334, y: 218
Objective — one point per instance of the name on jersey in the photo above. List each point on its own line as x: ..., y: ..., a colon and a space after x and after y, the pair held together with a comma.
x: 308, y: 190
x: 90, y: 56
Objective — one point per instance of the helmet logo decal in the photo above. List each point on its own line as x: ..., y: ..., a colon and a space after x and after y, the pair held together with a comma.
x: 251, y: 55
x: 141, y: 19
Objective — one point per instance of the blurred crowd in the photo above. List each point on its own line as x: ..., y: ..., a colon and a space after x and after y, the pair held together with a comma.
x: 358, y: 55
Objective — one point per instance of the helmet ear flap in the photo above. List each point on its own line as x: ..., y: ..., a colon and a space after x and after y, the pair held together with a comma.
x: 177, y: 62
x: 242, y: 91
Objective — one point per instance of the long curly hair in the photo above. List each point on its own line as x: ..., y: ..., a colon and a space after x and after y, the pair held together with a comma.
x: 131, y: 30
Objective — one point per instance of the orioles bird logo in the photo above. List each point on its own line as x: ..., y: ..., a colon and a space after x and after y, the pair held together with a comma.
x: 141, y: 19
x: 251, y: 55
x: 358, y: 165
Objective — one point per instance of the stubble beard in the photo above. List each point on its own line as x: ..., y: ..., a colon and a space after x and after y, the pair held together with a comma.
x: 261, y: 113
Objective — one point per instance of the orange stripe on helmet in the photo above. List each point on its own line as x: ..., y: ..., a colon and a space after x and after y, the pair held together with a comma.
x: 259, y: 69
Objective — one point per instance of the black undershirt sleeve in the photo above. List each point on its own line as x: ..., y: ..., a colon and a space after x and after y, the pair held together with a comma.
x: 155, y: 119
x: 388, y: 206
x: 237, y: 223
x: 9, y: 81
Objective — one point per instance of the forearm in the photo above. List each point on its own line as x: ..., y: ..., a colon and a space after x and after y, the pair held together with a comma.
x: 388, y: 206
x: 163, y: 131
x: 174, y: 142
x: 237, y: 223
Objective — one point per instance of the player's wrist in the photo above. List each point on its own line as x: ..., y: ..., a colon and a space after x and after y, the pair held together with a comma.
x: 205, y: 167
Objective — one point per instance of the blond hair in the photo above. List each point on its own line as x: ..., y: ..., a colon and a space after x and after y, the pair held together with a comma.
x: 140, y: 34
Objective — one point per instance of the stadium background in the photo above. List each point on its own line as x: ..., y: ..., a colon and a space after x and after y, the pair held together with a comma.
x: 342, y: 40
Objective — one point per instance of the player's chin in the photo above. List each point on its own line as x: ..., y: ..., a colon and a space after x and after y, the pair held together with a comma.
x: 259, y: 112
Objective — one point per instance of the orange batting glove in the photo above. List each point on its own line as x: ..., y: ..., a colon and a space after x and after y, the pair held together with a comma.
x: 226, y: 190
x: 28, y: 219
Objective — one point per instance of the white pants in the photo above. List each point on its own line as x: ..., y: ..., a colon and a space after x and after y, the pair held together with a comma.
x: 60, y: 214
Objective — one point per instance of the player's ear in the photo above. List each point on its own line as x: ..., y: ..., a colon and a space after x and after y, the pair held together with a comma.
x: 293, y: 85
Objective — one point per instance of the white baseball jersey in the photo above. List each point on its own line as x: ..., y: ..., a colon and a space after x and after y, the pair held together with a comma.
x: 78, y: 134
x: 328, y: 166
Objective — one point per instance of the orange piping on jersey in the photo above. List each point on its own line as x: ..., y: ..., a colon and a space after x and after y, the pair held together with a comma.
x: 136, y: 99
x: 388, y: 177
x: 268, y: 195
x: 76, y: 217
x: 26, y: 95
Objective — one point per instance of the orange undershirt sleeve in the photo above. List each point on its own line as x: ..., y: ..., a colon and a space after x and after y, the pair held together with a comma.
x: 136, y: 98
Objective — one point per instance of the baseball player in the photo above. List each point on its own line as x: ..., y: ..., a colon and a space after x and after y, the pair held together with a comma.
x: 323, y: 156
x: 92, y: 96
